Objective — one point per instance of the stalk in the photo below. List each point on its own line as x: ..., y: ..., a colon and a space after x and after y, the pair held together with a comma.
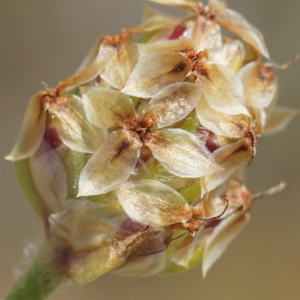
x: 43, y: 276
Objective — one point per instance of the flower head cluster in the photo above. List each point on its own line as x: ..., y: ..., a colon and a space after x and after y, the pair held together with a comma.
x: 135, y: 162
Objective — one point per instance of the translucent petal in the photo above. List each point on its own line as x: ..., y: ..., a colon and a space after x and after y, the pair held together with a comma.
x: 74, y: 129
x: 180, y: 45
x: 32, y: 129
x: 49, y: 176
x: 154, y: 203
x: 92, y: 55
x: 85, y: 225
x: 221, y: 237
x: 86, y: 74
x: 231, y: 55
x: 206, y: 33
x: 236, y: 23
x: 233, y: 126
x: 120, y: 64
x: 154, y: 20
x: 181, y: 153
x: 108, y: 108
x: 155, y: 71
x: 223, y: 90
x: 111, y: 164
x: 188, y: 4
x: 279, y: 119
x: 260, y: 84
x: 211, y: 181
x: 172, y: 104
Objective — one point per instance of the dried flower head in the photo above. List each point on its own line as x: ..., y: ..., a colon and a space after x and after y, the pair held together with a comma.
x: 135, y: 162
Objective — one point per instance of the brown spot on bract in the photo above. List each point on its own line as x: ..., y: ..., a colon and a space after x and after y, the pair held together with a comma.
x: 179, y: 67
x: 124, y: 146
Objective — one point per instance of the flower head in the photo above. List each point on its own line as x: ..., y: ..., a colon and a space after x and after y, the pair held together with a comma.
x: 136, y: 162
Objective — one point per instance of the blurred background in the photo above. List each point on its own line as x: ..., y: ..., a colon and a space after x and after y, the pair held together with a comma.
x: 46, y: 41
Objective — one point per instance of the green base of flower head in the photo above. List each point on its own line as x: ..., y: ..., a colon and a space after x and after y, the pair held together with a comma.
x: 41, y: 279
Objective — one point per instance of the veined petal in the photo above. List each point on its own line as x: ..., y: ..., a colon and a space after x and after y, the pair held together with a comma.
x: 279, y: 119
x: 236, y: 23
x: 121, y: 63
x: 85, y: 267
x: 111, y: 164
x: 85, y: 225
x: 206, y: 33
x: 155, y: 71
x: 188, y: 4
x: 233, y: 126
x: 172, y: 104
x: 221, y: 237
x: 108, y: 108
x: 260, y: 84
x: 223, y: 90
x: 32, y: 129
x: 49, y: 176
x: 154, y: 203
x: 181, y: 153
x: 74, y: 129
x: 84, y: 75
x: 179, y: 45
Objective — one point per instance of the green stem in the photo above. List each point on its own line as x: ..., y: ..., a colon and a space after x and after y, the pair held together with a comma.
x: 43, y: 276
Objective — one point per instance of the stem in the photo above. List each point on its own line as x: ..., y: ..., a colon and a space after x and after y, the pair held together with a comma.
x: 43, y: 276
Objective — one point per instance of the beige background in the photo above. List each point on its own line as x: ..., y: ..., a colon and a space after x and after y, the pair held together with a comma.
x: 45, y: 41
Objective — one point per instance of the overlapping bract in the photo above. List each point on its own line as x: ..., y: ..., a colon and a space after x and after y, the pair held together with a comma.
x: 151, y: 135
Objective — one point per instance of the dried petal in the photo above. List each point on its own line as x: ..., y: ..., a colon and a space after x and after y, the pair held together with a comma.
x: 172, y: 104
x: 153, y: 20
x: 233, y: 126
x: 108, y: 108
x: 121, y: 63
x: 206, y: 33
x: 154, y: 203
x: 92, y: 55
x: 260, y: 84
x: 221, y: 237
x: 236, y: 23
x: 223, y: 90
x: 74, y: 129
x: 279, y: 119
x: 181, y: 45
x: 181, y: 153
x: 231, y: 55
x: 32, y: 130
x: 85, y: 267
x: 86, y: 74
x: 188, y: 4
x: 111, y: 164
x: 155, y: 71
x: 212, y: 181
